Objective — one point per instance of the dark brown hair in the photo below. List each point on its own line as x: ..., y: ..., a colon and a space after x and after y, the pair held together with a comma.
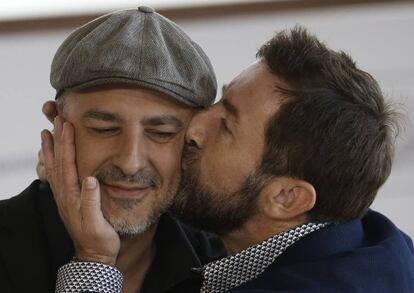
x: 334, y: 128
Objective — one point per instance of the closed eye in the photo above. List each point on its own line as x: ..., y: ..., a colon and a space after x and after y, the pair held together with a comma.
x: 163, y: 134
x: 110, y: 130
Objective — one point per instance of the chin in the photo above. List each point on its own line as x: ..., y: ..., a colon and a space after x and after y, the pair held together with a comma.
x: 132, y: 217
x: 126, y: 229
x: 132, y: 221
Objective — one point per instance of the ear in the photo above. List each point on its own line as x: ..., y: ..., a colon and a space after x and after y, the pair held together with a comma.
x: 50, y: 110
x: 285, y: 198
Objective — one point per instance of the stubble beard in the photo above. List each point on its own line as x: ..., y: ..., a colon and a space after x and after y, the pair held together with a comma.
x: 214, y: 211
x: 128, y: 220
x: 126, y: 215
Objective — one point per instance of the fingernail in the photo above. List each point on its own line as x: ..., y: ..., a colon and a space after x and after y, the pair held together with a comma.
x: 90, y: 183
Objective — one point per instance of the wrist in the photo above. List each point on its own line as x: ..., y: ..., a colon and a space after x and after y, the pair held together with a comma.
x: 97, y: 258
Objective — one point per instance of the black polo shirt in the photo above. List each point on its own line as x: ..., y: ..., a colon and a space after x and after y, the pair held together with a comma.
x: 34, y: 244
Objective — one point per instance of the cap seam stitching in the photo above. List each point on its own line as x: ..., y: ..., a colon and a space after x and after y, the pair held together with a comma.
x: 141, y: 51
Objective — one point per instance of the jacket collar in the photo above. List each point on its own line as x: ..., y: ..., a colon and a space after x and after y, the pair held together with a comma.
x: 337, y: 238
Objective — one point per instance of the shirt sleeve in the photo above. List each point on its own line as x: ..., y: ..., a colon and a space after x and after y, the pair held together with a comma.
x: 77, y: 277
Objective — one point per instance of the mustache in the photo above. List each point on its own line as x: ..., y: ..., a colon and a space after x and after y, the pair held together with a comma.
x: 141, y: 177
x: 189, y: 154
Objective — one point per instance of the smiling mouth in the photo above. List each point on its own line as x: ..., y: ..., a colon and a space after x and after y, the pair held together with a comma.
x: 124, y: 191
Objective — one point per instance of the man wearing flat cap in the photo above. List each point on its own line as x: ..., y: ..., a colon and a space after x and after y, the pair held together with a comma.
x: 284, y: 169
x: 126, y: 86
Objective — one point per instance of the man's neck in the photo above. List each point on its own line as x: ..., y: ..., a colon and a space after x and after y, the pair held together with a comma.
x: 255, y: 231
x: 135, y: 257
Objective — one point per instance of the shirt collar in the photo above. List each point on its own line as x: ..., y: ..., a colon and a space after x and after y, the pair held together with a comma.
x: 232, y: 271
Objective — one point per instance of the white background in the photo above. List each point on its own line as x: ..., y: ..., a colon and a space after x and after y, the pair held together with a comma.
x: 21, y: 9
x: 379, y: 37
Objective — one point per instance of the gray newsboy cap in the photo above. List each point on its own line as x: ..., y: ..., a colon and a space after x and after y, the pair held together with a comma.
x: 138, y: 47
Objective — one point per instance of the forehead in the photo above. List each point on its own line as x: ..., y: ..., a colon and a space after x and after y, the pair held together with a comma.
x: 254, y: 92
x: 125, y: 102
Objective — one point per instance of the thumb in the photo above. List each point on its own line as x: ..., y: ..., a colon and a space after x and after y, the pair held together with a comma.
x: 91, y: 200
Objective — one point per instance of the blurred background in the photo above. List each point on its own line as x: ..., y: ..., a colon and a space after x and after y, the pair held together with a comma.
x: 378, y: 34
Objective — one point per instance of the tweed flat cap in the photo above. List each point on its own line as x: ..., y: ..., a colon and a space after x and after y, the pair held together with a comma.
x: 138, y: 47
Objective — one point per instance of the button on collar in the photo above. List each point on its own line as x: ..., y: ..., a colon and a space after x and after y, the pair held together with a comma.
x: 146, y: 9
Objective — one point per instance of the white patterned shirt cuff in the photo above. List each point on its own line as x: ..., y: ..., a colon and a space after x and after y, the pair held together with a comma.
x: 76, y: 277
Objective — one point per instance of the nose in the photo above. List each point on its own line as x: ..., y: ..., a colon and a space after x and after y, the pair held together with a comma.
x: 196, y: 134
x: 131, y: 154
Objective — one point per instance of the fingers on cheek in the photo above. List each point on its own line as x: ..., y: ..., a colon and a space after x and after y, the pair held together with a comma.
x: 47, y: 152
x: 58, y: 127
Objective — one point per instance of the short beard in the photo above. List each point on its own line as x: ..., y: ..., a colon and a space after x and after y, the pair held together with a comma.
x: 126, y: 229
x: 123, y: 225
x: 220, y: 213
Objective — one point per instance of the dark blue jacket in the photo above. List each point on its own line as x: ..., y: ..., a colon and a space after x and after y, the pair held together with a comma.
x: 369, y: 255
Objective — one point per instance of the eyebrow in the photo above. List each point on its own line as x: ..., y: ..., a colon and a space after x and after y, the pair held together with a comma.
x: 162, y: 120
x: 230, y: 108
x: 101, y: 115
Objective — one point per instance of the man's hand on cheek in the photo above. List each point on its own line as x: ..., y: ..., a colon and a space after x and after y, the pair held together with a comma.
x: 79, y: 207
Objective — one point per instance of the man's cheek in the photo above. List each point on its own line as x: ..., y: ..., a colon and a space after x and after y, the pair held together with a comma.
x: 168, y: 162
x: 89, y: 157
